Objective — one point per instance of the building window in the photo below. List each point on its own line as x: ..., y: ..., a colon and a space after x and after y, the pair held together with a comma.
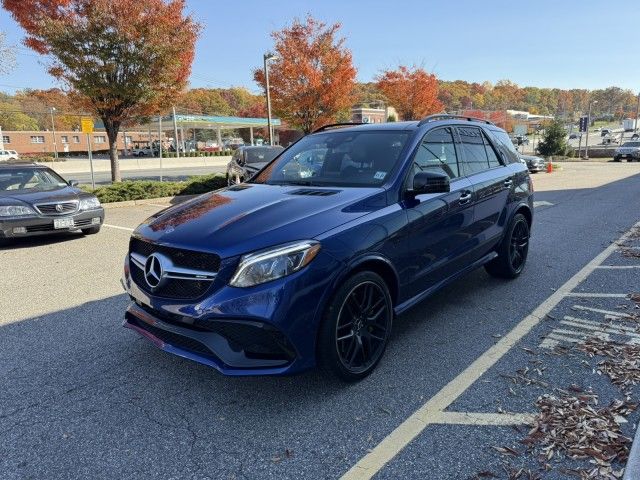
x: 6, y: 139
x: 37, y: 139
x: 76, y: 139
x: 65, y: 139
x: 128, y: 140
x: 99, y: 139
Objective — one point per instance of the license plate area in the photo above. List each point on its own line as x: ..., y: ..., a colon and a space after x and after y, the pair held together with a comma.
x: 62, y: 223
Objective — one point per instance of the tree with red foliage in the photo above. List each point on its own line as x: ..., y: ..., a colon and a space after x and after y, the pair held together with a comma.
x: 122, y: 58
x: 313, y: 79
x: 411, y: 91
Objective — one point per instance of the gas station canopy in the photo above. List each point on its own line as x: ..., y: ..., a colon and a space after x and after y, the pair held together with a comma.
x: 215, y: 122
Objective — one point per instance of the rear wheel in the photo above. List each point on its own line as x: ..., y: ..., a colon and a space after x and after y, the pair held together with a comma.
x: 356, y: 327
x: 513, y: 250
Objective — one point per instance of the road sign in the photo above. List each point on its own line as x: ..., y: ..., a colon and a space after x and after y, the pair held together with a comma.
x: 86, y: 124
x: 584, y: 123
x: 520, y: 129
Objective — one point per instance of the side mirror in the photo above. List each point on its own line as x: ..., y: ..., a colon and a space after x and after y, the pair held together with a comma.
x: 430, y: 182
x: 73, y: 183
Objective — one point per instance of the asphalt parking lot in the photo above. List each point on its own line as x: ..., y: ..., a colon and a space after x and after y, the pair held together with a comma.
x: 82, y: 397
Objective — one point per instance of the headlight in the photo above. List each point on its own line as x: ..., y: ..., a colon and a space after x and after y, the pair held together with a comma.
x: 267, y: 265
x: 89, y: 203
x: 15, y: 211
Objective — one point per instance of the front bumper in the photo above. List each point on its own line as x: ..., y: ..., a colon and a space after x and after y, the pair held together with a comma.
x: 269, y: 329
x: 44, y: 225
x: 538, y: 167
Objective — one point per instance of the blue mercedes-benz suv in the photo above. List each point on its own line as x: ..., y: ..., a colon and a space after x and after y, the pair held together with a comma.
x: 309, y: 261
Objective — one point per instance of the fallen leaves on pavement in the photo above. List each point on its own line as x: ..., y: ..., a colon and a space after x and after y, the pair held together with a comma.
x: 572, y: 426
x: 622, y: 362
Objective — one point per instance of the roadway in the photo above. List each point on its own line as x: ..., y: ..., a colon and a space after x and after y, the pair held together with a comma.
x: 168, y: 174
x: 83, y: 397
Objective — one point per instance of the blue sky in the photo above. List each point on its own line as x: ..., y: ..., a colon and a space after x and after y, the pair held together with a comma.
x: 546, y: 43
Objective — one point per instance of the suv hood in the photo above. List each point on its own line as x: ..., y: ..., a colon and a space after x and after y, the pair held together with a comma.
x: 245, y: 218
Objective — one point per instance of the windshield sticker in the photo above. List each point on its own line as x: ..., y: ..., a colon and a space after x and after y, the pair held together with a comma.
x: 380, y: 175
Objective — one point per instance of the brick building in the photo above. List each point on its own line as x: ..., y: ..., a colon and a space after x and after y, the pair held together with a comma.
x: 25, y: 142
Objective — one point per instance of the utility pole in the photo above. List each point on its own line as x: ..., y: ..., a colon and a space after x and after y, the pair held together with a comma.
x: 586, y: 145
x: 175, y: 133
x: 53, y: 125
x: 1, y: 140
x: 160, y: 143
x: 267, y: 57
x: 635, y: 123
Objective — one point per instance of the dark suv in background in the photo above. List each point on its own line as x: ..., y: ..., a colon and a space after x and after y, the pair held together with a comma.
x: 310, y: 262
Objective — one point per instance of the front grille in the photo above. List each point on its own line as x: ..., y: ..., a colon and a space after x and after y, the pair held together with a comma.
x: 172, y: 288
x: 209, y: 262
x: 48, y: 227
x: 62, y: 208
x: 40, y: 228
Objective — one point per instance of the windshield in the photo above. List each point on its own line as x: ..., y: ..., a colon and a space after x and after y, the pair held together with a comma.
x: 29, y: 179
x: 261, y: 155
x: 631, y: 144
x: 362, y: 158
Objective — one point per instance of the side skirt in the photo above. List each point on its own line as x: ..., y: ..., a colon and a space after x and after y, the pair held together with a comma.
x: 421, y: 296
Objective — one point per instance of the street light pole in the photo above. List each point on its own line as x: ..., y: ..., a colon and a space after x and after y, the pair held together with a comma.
x: 53, y: 125
x: 635, y: 124
x: 586, y: 145
x: 266, y: 57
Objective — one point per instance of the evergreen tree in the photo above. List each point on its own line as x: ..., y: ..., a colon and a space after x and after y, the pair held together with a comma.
x: 554, y: 141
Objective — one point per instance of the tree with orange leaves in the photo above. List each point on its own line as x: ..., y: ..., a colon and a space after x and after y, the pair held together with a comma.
x: 412, y: 92
x: 312, y: 79
x: 122, y: 58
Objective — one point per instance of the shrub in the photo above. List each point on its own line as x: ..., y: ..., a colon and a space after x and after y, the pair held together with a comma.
x: 41, y: 157
x: 554, y: 141
x: 144, y: 189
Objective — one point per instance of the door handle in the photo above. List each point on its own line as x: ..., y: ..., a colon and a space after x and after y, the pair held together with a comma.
x: 465, y: 197
x: 508, y: 182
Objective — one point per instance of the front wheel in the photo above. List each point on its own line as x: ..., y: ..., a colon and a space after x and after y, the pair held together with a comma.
x: 356, y: 327
x: 513, y: 250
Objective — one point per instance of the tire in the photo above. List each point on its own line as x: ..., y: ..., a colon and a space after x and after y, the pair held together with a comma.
x: 629, y: 160
x: 512, y: 251
x: 616, y: 159
x: 356, y: 327
x: 90, y: 231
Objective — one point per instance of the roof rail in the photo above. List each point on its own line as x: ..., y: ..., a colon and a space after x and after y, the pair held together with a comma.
x: 337, y: 125
x: 447, y: 116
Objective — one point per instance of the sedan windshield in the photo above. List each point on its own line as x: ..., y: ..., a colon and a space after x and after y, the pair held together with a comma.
x: 261, y: 154
x: 12, y: 179
x: 358, y: 158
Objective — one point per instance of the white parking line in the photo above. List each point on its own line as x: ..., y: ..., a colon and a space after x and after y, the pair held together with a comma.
x: 599, y: 310
x: 618, y: 267
x: 126, y: 229
x: 433, y: 409
x: 542, y: 203
x: 597, y: 295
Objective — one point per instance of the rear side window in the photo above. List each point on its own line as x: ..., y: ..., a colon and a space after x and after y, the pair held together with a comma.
x: 437, y: 151
x: 475, y: 155
x: 492, y: 155
x: 506, y: 145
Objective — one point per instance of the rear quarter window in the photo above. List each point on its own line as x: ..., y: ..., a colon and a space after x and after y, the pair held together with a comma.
x: 505, y: 144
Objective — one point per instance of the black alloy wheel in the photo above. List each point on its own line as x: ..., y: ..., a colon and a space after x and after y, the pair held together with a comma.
x: 357, y: 326
x: 512, y: 251
x: 519, y: 245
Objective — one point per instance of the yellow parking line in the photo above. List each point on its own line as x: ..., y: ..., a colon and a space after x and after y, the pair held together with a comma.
x: 127, y: 229
x: 413, y: 426
x: 477, y: 418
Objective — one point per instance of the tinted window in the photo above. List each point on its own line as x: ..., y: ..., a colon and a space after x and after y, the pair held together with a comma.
x: 437, y: 151
x: 475, y: 154
x: 359, y: 158
x: 494, y: 160
x: 504, y: 142
x: 261, y: 155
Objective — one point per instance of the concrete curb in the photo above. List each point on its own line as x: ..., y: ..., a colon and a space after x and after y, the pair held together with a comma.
x: 632, y: 468
x: 130, y: 203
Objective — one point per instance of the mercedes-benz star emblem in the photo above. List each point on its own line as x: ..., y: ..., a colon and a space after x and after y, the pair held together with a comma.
x: 153, y: 271
x: 59, y: 208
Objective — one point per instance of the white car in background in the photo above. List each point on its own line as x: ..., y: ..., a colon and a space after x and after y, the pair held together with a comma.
x: 8, y: 155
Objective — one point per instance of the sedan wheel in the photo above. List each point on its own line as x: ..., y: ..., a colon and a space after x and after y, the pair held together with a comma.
x: 356, y: 329
x: 512, y: 251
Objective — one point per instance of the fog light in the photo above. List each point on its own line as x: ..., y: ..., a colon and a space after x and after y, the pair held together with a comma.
x: 19, y: 230
x: 95, y: 221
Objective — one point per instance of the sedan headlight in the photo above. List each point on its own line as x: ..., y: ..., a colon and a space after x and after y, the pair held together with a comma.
x: 89, y: 203
x: 15, y: 211
x: 277, y: 262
